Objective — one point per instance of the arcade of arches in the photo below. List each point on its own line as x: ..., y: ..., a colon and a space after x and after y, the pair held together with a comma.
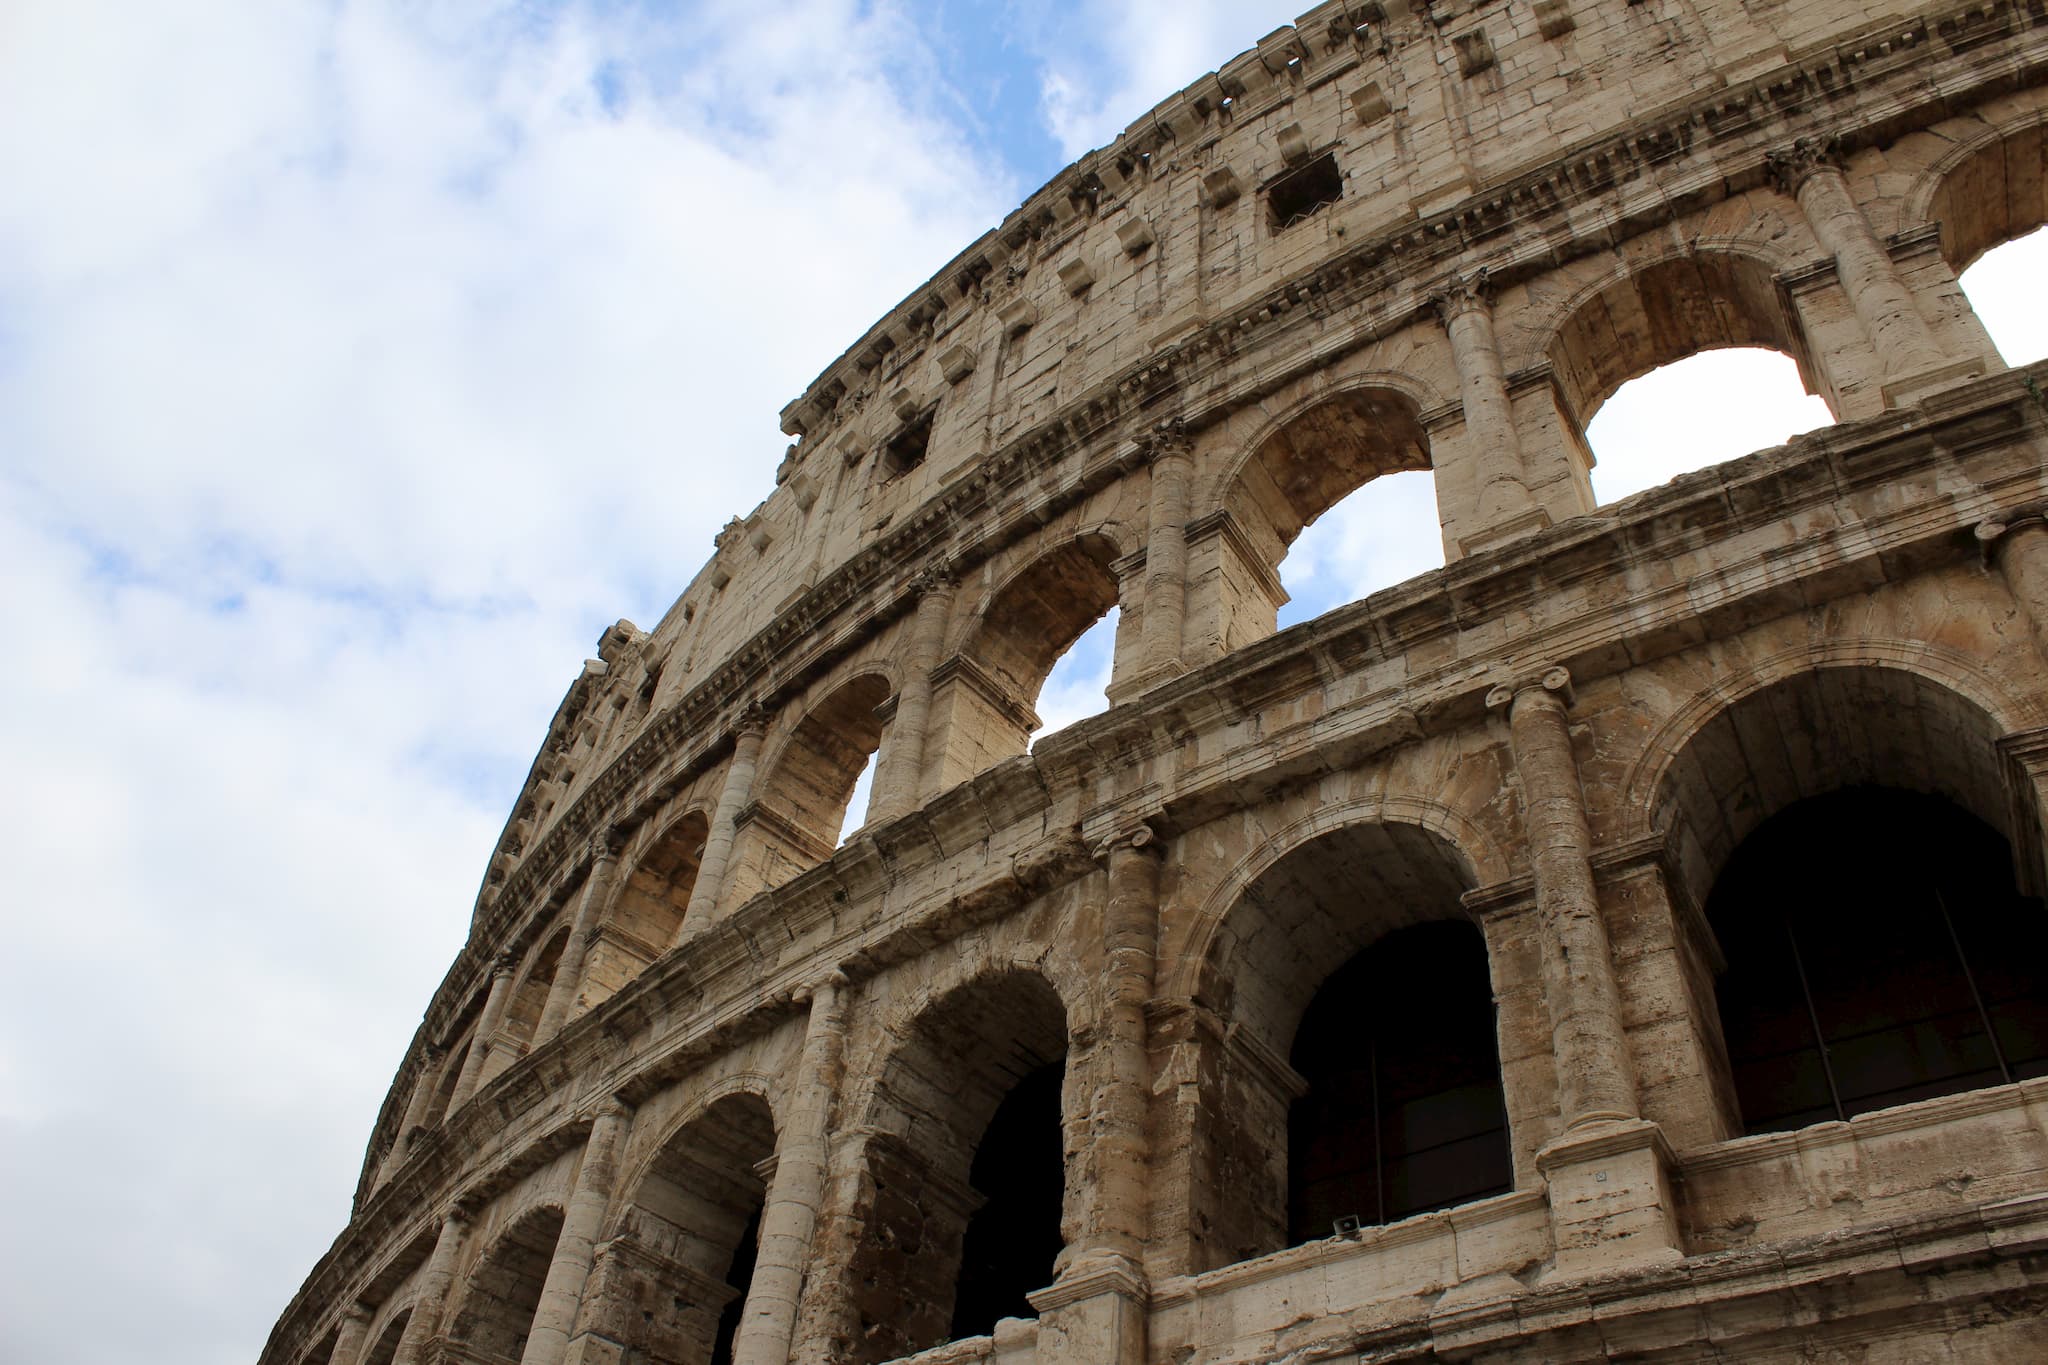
x: 1658, y: 880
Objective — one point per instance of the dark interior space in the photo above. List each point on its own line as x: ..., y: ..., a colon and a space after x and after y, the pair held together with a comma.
x: 1013, y: 1238
x: 1404, y: 1111
x: 1878, y: 952
x: 740, y: 1277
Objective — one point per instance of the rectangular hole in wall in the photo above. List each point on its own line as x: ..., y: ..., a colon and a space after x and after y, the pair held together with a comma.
x: 907, y: 448
x: 1303, y: 190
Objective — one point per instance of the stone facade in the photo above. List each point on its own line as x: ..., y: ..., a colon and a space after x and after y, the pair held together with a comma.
x: 1427, y: 981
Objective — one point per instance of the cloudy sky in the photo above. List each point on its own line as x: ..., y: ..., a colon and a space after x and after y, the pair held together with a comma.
x: 360, y: 362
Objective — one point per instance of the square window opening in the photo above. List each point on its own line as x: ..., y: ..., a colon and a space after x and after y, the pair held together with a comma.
x: 907, y: 448
x: 1303, y: 190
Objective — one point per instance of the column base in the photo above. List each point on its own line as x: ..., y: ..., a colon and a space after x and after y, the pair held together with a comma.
x: 591, y: 1349
x: 1500, y: 533
x: 1905, y: 393
x: 1095, y: 1313
x: 1611, y: 1206
x: 1144, y: 680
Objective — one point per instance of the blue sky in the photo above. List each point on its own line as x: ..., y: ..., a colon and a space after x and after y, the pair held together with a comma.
x: 360, y: 363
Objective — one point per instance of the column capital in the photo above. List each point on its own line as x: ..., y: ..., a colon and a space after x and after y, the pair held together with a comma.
x: 505, y: 964
x: 1167, y: 440
x: 1992, y: 530
x: 1554, y: 681
x: 607, y: 844
x: 1791, y: 167
x: 358, y: 1311
x: 939, y: 576
x: 611, y: 1107
x: 835, y: 979
x: 1462, y: 293
x: 751, y: 720
x: 1137, y: 836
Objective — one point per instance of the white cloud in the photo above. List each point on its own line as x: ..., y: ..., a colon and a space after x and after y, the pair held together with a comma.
x: 358, y: 363
x: 1141, y: 52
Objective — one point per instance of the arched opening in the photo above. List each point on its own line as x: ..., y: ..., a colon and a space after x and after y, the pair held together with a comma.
x: 964, y: 1181
x: 323, y: 1353
x: 504, y: 1290
x: 1878, y: 953
x: 385, y: 1347
x: 1403, y: 1111
x: 646, y: 913
x: 1697, y: 412
x: 444, y: 1085
x: 529, y: 998
x: 1686, y: 416
x: 1347, y: 449
x: 675, y: 1283
x: 2005, y: 289
x: 1991, y: 207
x: 1382, y: 534
x: 802, y: 803
x: 1875, y: 794
x: 1351, y: 957
x: 1077, y: 686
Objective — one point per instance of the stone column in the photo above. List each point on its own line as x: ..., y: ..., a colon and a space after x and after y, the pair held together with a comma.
x: 1506, y: 508
x: 1811, y: 173
x: 2019, y: 549
x: 1119, y: 1222
x: 1608, y: 1175
x: 415, y: 1110
x: 1594, y: 1079
x: 547, y: 1341
x: 349, y: 1339
x: 1166, y: 554
x: 597, y: 887
x: 796, y: 1197
x: 435, y: 1282
x: 899, y: 772
x: 486, y: 1029
x: 752, y: 727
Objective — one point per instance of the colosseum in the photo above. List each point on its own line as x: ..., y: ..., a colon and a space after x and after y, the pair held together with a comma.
x: 1623, y: 942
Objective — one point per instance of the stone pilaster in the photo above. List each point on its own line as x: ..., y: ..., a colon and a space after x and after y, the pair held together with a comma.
x: 796, y: 1193
x: 1608, y: 1172
x: 1505, y: 508
x: 432, y: 1301
x: 1118, y: 1222
x: 899, y: 772
x: 416, y: 1106
x: 597, y: 887
x: 350, y: 1336
x: 1811, y: 173
x: 733, y: 797
x: 1166, y: 554
x: 547, y: 1341
x: 487, y: 1023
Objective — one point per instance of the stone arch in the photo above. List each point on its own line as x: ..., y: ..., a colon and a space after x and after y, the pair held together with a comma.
x: 673, y: 1278
x: 452, y: 1062
x: 1299, y: 465
x: 933, y: 1101
x: 529, y: 997
x: 495, y: 1313
x: 808, y: 776
x: 1657, y: 309
x: 1485, y: 862
x: 1934, y: 684
x: 985, y: 695
x: 645, y: 912
x: 383, y: 1347
x: 1323, y: 901
x: 1985, y: 190
x: 1846, y: 828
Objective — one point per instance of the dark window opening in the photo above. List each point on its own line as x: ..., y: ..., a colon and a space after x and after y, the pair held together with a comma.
x: 1013, y: 1238
x: 907, y: 448
x: 1878, y: 953
x: 1404, y: 1111
x: 741, y: 1277
x: 1303, y: 190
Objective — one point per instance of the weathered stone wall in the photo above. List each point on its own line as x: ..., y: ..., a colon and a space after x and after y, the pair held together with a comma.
x: 688, y: 1027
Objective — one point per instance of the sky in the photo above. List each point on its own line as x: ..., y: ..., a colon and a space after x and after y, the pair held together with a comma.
x: 360, y: 362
